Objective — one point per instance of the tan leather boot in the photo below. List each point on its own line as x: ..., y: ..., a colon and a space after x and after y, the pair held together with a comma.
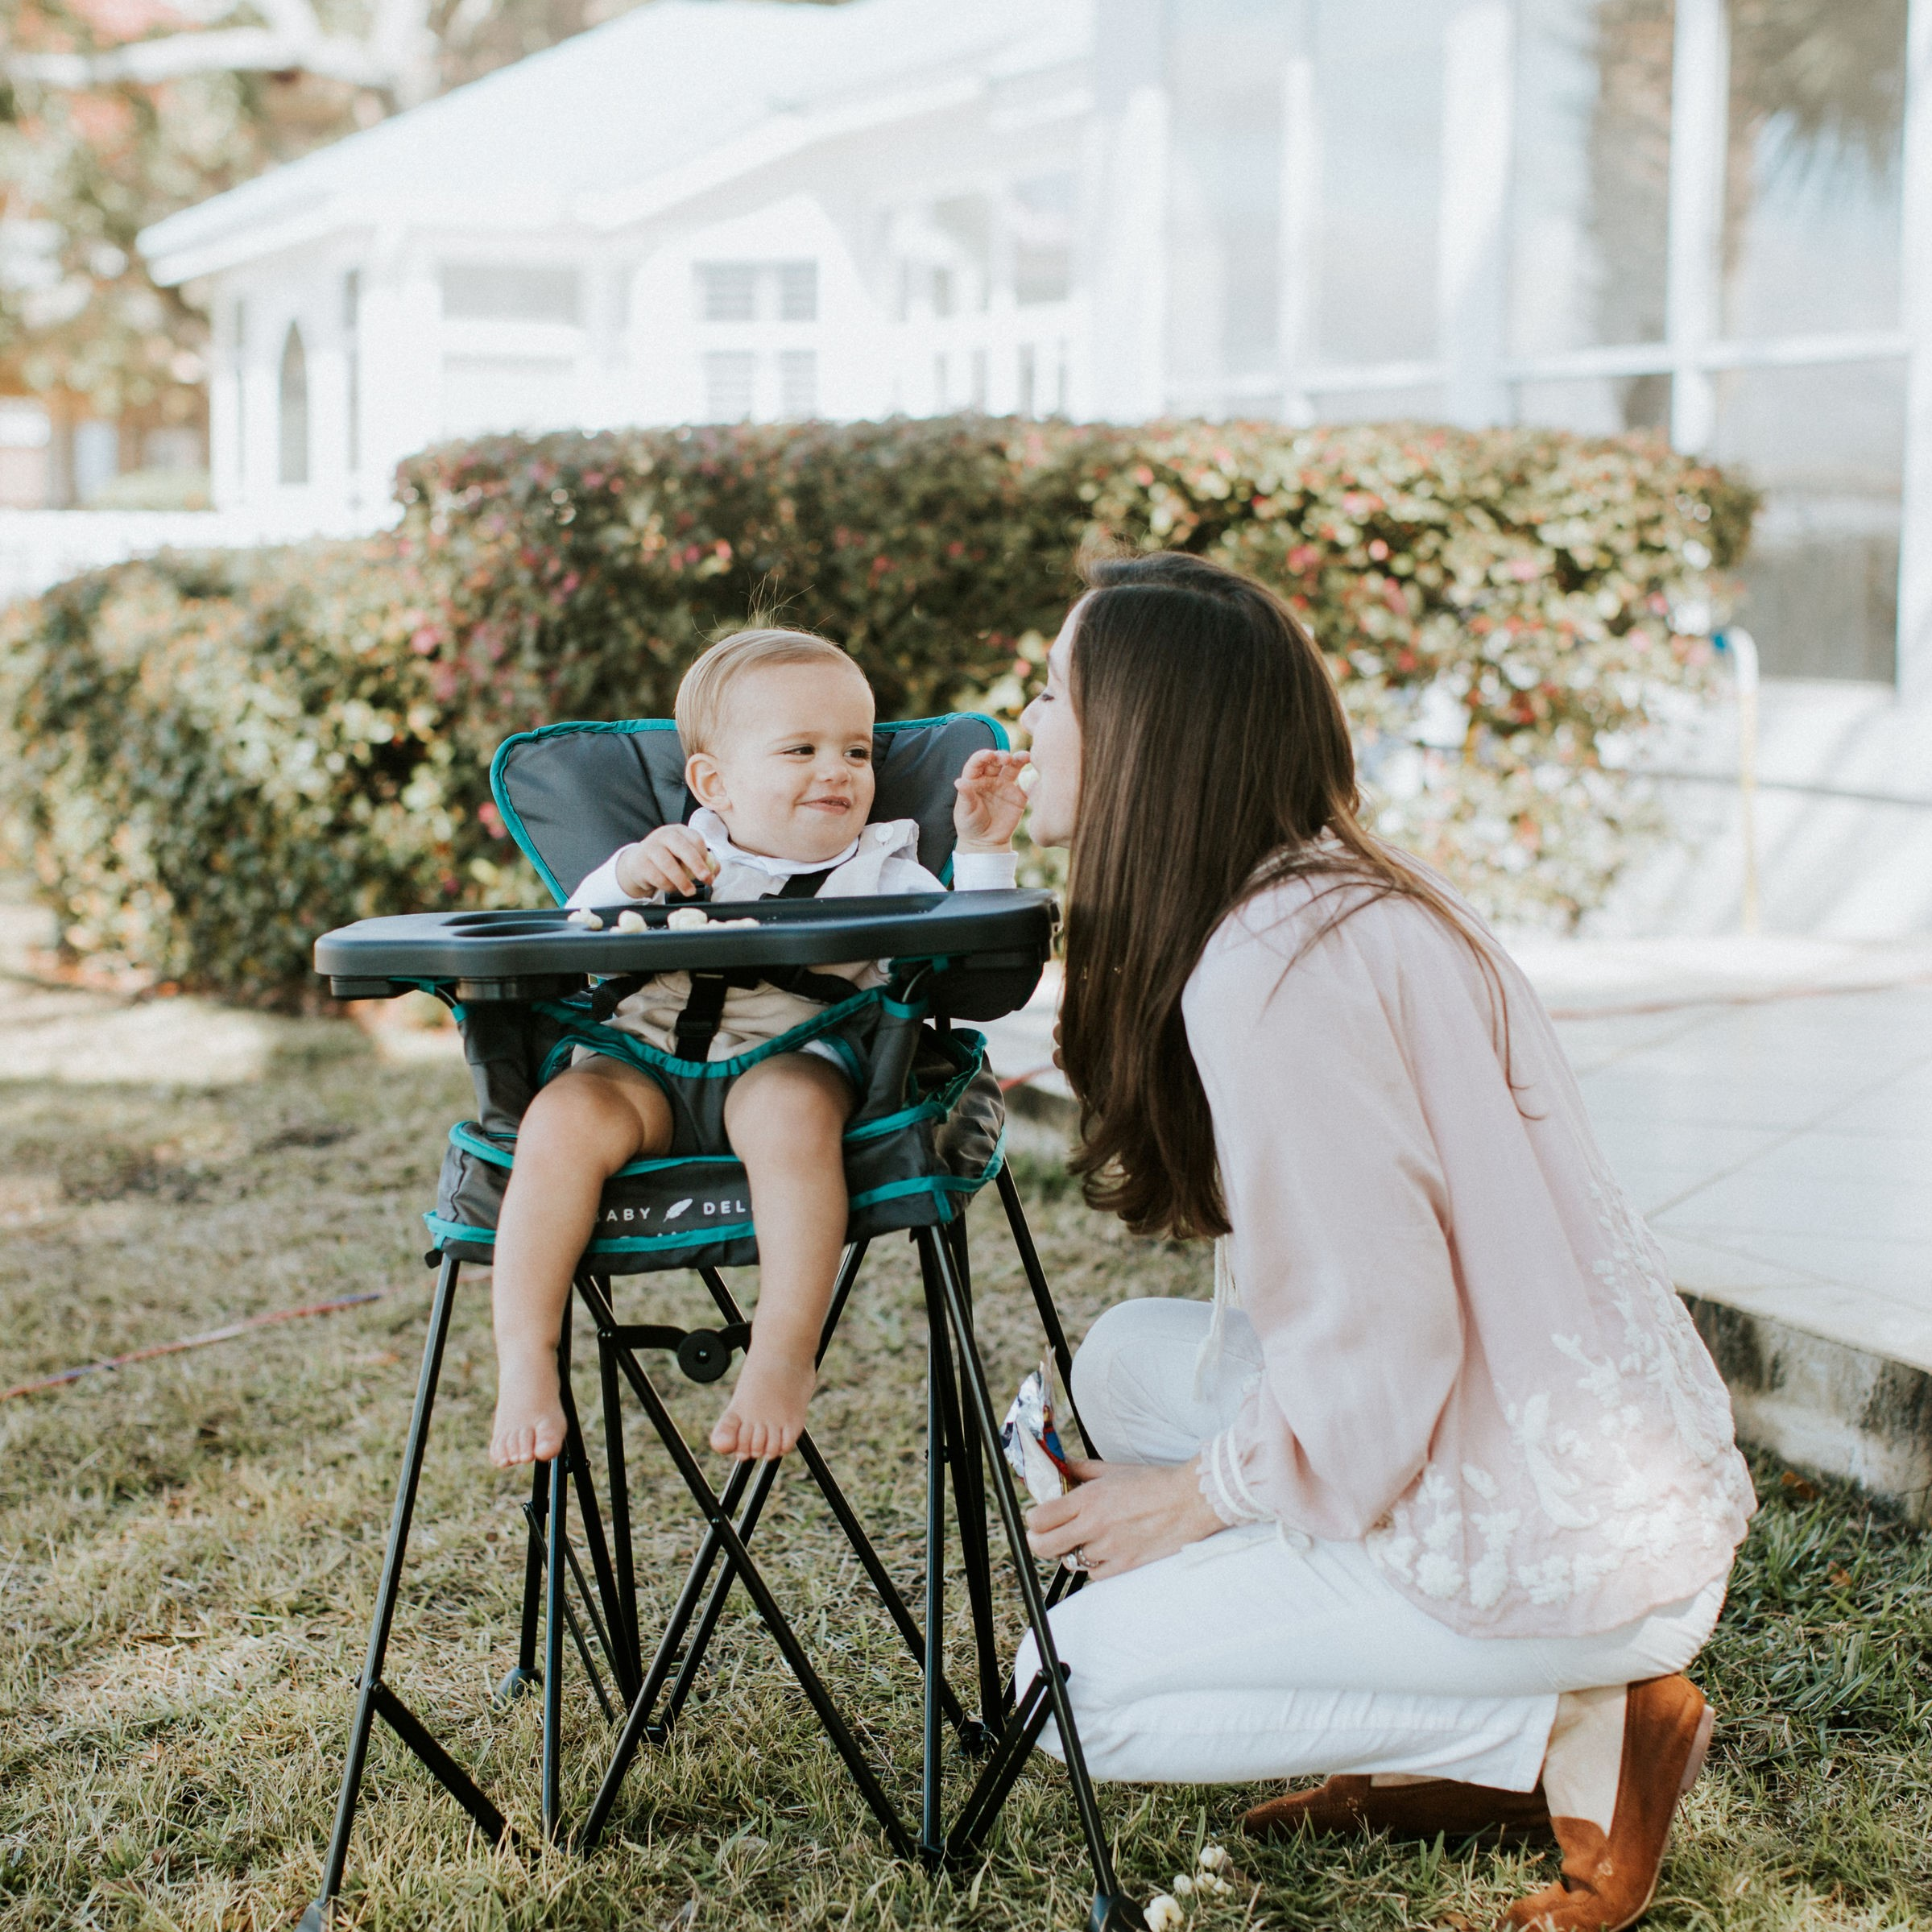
x: 1609, y: 1877
x: 1347, y: 1807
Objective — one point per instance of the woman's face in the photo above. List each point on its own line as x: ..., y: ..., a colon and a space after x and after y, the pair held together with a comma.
x: 1055, y: 732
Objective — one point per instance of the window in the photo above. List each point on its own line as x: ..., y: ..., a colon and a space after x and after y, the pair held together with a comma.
x: 730, y: 375
x: 488, y: 292
x: 1041, y: 275
x: 1028, y: 378
x: 797, y: 383
x: 798, y: 291
x: 753, y: 291
x: 292, y: 424
x: 728, y: 291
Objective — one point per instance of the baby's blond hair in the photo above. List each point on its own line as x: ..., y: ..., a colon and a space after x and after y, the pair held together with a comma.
x: 706, y: 688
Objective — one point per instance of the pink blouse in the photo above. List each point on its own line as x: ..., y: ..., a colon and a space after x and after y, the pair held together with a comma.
x: 1475, y: 1363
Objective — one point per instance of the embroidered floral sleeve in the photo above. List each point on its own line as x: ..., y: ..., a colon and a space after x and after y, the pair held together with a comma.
x: 1474, y: 1360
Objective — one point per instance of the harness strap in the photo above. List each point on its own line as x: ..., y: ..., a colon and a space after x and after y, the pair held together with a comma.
x: 698, y: 1024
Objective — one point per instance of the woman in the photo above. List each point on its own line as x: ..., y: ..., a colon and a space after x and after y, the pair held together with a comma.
x: 1441, y: 1494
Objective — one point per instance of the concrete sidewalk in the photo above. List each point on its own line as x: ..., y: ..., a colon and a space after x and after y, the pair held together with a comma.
x: 1769, y: 1104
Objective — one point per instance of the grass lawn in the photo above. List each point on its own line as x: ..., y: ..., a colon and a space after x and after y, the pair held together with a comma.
x: 189, y: 1547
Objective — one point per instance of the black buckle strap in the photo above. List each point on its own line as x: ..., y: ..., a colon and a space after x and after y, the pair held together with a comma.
x: 698, y: 1023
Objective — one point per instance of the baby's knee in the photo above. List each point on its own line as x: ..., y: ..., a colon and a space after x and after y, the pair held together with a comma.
x: 575, y: 1117
x: 791, y: 1100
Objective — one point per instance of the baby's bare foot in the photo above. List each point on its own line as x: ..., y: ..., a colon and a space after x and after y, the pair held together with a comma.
x: 529, y: 1425
x: 767, y: 1414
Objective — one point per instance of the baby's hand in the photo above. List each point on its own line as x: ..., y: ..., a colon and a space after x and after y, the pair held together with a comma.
x: 990, y: 800
x: 673, y: 860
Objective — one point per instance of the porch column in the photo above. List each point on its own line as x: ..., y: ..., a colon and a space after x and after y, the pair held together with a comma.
x: 1472, y: 272
x: 1914, y: 659
x: 1700, y: 99
x: 1300, y: 232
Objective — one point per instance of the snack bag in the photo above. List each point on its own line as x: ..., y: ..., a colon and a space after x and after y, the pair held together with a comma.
x: 1030, y: 1441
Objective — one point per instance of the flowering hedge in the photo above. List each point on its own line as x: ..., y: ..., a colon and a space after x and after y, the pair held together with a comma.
x: 210, y: 760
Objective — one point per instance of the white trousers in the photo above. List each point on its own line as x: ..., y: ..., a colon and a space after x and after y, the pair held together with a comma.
x: 1263, y: 1654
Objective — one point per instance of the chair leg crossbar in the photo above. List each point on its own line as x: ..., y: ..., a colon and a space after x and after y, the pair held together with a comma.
x: 645, y: 1699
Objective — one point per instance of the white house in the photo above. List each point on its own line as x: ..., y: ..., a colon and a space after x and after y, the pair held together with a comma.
x: 705, y: 210
x: 1478, y: 211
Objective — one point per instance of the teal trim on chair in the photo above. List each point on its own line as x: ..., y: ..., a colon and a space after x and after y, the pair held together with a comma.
x: 936, y: 1106
x: 487, y: 1150
x: 517, y: 831
x: 942, y: 1188
x: 620, y: 1045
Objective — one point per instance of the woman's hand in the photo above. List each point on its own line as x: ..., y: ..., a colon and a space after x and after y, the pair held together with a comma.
x: 673, y: 860
x: 1123, y: 1515
x: 987, y: 811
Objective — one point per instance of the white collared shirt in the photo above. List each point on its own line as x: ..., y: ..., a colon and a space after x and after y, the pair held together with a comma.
x: 893, y: 866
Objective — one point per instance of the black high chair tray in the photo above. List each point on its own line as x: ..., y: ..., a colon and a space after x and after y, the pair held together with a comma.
x: 997, y: 943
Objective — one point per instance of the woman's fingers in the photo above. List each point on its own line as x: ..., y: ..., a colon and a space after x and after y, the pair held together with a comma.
x: 1081, y: 1468
x: 1054, y: 1527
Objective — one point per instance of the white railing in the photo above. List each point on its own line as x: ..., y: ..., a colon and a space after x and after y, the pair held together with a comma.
x: 41, y: 547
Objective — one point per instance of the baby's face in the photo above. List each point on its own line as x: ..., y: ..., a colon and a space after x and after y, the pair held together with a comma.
x: 791, y: 774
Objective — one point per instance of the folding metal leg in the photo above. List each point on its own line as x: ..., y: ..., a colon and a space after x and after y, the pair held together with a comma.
x: 1111, y: 1907
x: 968, y: 1491
x: 853, y: 1530
x: 628, y: 1635
x: 712, y: 1509
x: 373, y: 1698
x: 522, y: 1675
x: 553, y: 1644
x: 961, y: 1428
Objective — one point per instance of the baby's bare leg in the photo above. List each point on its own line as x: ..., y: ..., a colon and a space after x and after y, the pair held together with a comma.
x: 784, y: 1117
x: 578, y: 1131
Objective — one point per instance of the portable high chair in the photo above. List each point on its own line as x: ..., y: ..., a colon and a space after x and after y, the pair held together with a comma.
x: 927, y: 1135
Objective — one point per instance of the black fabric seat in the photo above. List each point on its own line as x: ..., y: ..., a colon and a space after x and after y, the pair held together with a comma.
x: 927, y: 1137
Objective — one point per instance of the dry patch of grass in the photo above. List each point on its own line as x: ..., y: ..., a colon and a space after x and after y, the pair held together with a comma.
x: 188, y: 1549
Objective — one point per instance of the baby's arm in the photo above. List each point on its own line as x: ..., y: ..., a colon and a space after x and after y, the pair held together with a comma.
x: 673, y: 860
x: 985, y: 811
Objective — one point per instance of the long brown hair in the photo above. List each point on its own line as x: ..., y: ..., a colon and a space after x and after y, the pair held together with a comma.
x: 1215, y: 761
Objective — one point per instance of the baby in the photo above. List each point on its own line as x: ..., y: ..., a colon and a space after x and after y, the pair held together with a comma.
x: 777, y: 728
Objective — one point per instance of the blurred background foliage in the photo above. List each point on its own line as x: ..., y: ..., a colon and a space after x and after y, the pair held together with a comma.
x: 209, y: 760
